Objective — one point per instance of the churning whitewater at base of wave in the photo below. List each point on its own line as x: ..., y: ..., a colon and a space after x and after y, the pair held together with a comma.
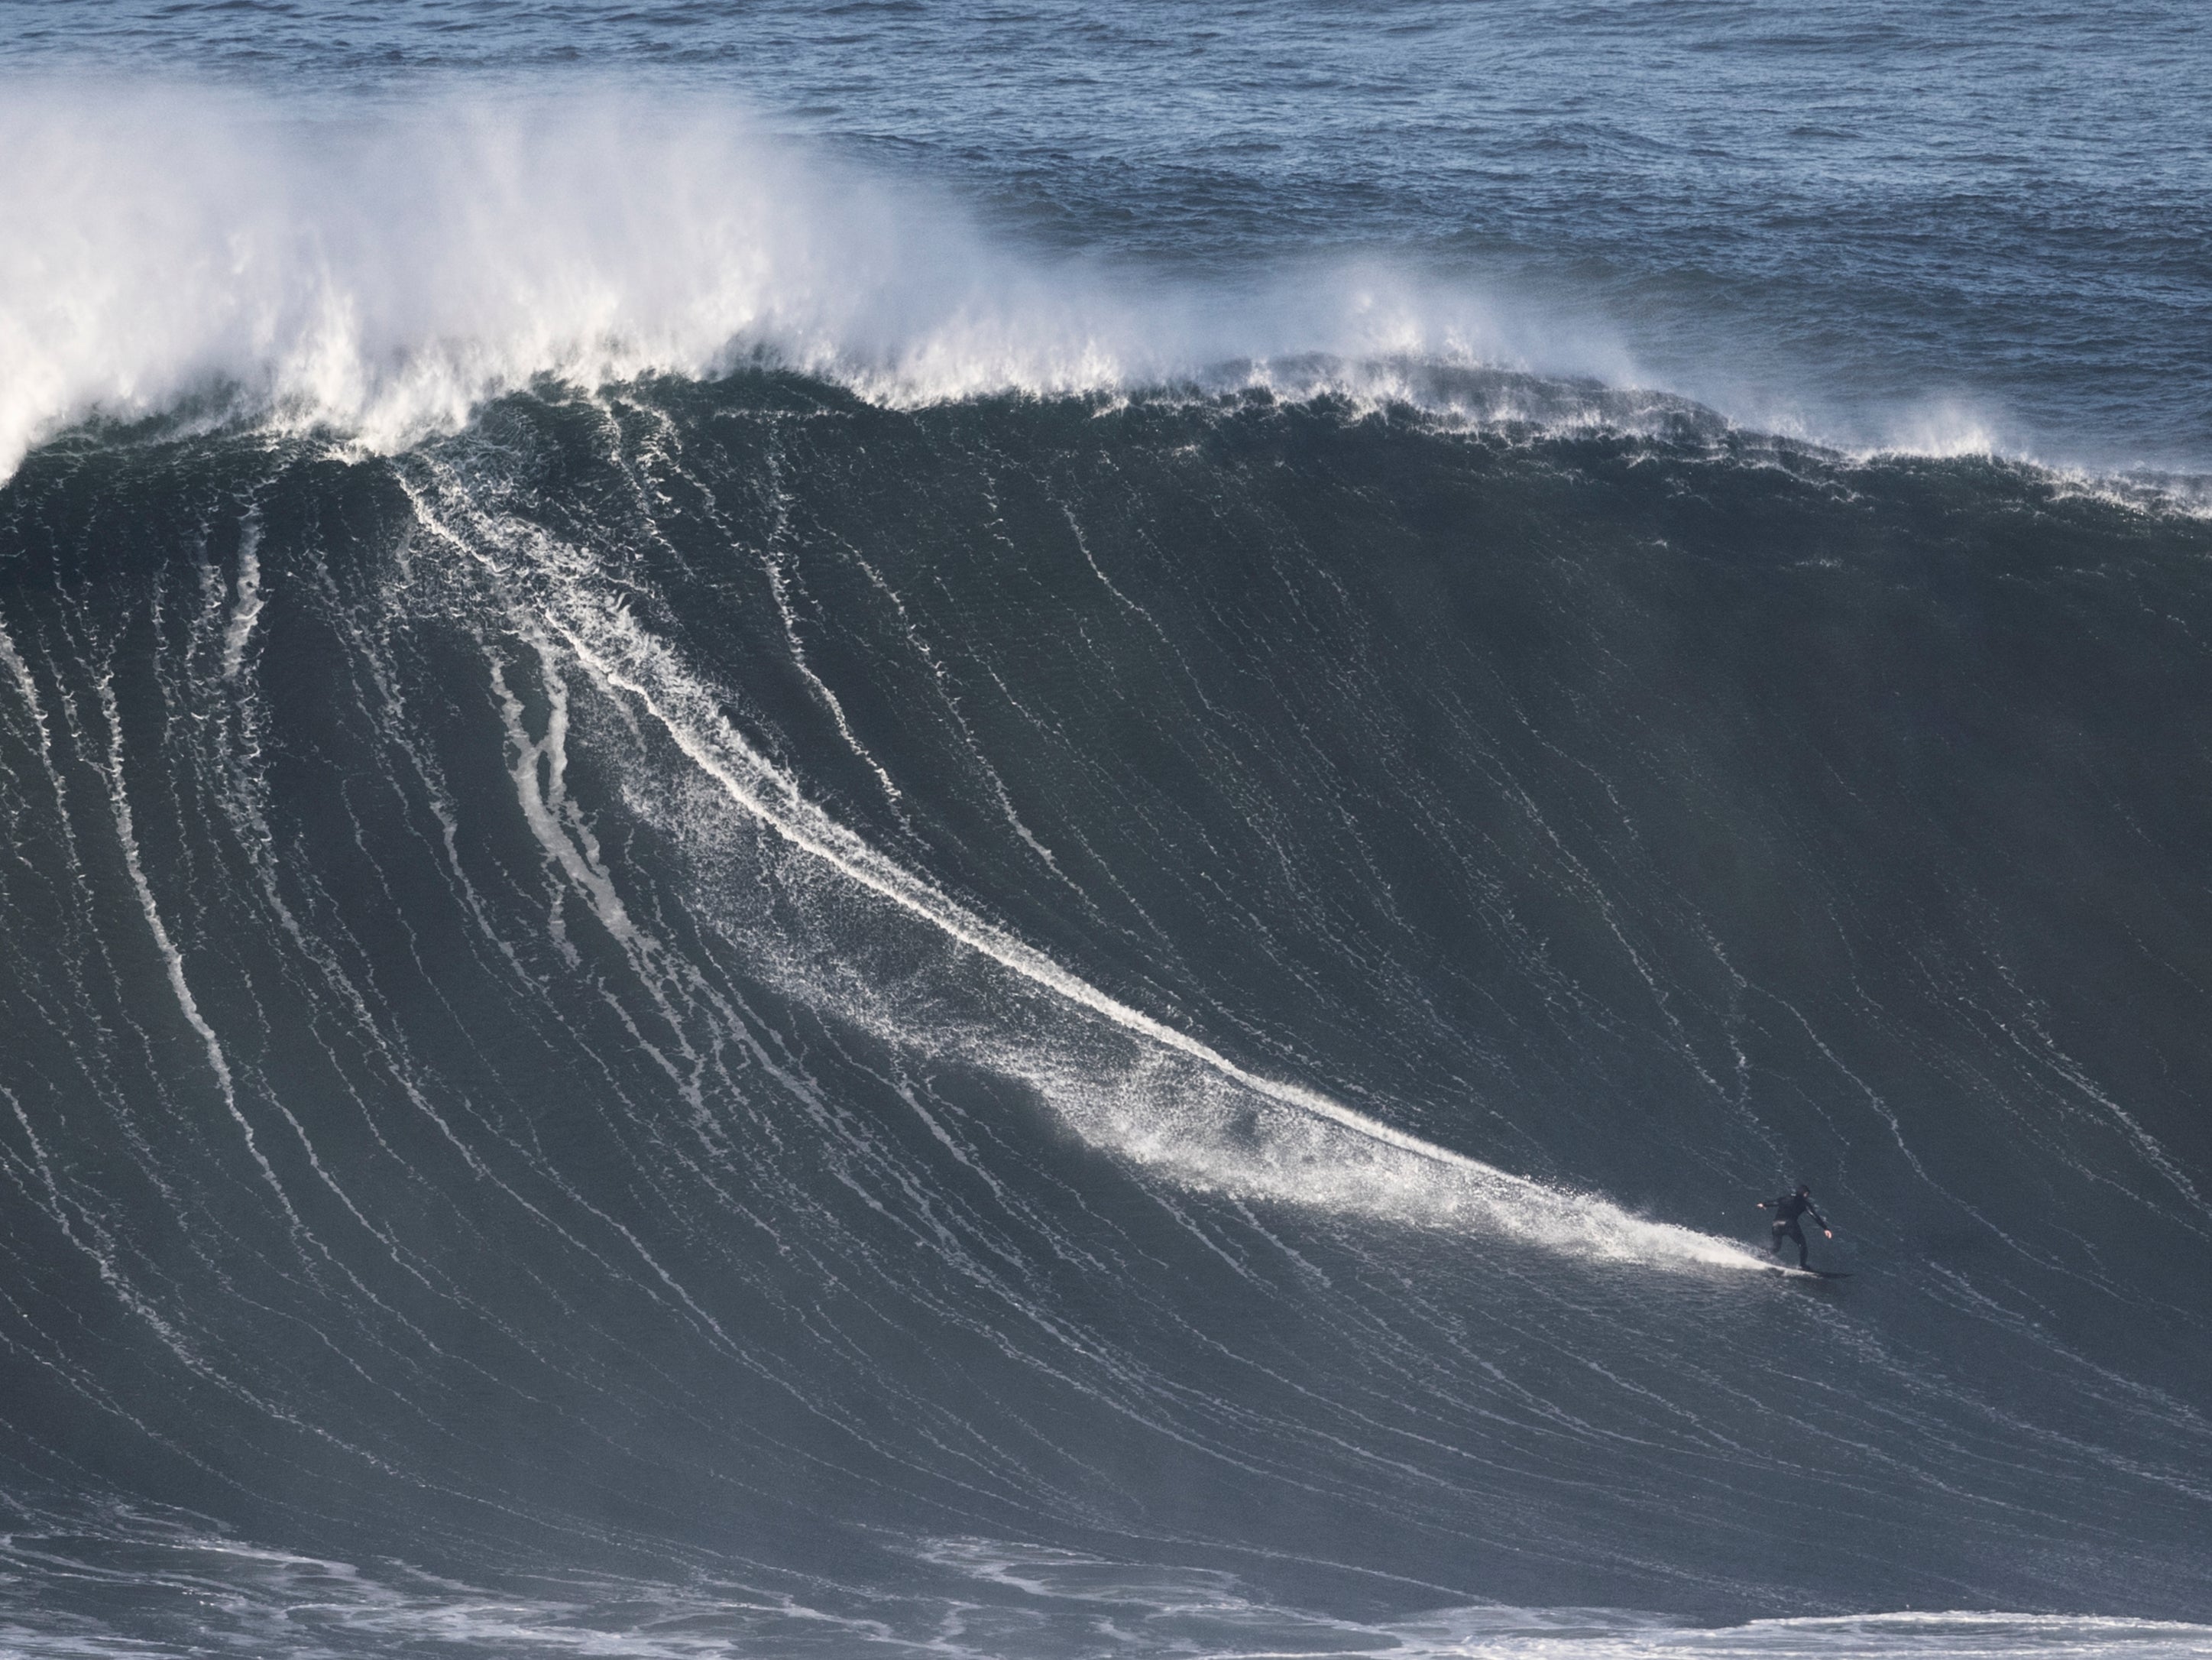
x: 142, y: 1584
x: 382, y: 270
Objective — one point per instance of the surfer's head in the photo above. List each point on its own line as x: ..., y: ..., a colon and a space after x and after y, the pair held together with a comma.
x: 1804, y: 1190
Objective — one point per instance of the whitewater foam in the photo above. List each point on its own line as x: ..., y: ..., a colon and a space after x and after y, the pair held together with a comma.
x: 382, y: 271
x: 987, y: 1600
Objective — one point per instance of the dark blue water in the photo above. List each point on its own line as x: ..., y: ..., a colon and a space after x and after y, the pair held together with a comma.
x: 872, y: 829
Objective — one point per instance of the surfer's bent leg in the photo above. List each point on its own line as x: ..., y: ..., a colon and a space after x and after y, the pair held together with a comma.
x: 1790, y: 1231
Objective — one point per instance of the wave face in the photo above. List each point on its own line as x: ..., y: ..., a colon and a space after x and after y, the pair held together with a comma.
x: 719, y: 1013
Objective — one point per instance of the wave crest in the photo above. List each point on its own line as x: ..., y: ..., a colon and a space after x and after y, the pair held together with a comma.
x: 383, y: 269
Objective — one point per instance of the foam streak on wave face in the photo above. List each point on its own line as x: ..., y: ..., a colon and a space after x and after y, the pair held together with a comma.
x: 1123, y: 1077
x: 383, y: 269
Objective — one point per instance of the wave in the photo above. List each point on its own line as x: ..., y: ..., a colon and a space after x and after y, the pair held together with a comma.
x: 658, y: 1006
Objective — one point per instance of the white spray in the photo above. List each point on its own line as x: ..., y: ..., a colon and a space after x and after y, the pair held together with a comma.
x: 383, y: 269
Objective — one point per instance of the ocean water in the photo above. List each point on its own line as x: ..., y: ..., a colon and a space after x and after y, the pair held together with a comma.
x: 878, y: 828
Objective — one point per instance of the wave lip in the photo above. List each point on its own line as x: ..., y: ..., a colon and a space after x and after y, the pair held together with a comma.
x: 384, y: 270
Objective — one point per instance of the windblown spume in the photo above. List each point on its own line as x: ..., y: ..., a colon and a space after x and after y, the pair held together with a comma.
x: 383, y: 276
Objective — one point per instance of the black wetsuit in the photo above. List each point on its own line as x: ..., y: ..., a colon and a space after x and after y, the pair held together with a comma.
x: 1787, y: 1210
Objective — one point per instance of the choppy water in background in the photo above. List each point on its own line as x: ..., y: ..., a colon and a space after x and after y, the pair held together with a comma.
x: 881, y: 829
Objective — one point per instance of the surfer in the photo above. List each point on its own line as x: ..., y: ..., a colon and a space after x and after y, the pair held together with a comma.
x: 1787, y: 1209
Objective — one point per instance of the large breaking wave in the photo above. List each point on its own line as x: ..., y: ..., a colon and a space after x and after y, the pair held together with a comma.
x: 715, y: 1002
x: 737, y: 923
